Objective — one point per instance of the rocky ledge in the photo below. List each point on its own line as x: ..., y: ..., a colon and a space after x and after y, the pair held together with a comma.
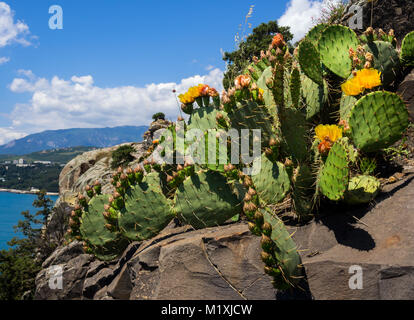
x: 224, y: 262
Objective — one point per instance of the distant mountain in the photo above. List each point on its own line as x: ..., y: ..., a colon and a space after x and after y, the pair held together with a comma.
x: 67, y: 138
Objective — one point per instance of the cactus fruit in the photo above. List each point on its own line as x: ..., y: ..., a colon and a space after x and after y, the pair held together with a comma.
x: 378, y: 120
x: 272, y: 182
x: 362, y: 189
x: 334, y: 176
x: 310, y: 61
x: 407, y: 50
x: 206, y: 200
x: 104, y: 244
x: 334, y: 45
x: 386, y: 60
x: 146, y: 211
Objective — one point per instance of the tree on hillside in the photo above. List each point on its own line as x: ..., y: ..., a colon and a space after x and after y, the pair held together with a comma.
x: 258, y: 40
x: 20, y: 264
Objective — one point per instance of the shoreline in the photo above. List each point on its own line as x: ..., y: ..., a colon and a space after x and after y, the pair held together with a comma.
x: 27, y: 192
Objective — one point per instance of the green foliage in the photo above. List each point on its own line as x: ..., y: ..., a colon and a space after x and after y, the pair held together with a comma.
x: 259, y: 40
x: 20, y: 264
x: 122, y: 156
x: 25, y: 178
x: 158, y: 116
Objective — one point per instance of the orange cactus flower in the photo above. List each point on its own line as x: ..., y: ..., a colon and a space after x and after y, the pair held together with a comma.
x: 242, y: 81
x: 278, y: 41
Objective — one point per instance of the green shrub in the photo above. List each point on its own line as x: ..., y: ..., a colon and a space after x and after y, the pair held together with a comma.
x: 158, y: 116
x: 122, y: 156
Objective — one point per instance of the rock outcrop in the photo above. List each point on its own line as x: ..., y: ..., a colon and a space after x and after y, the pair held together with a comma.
x: 224, y: 262
x: 386, y: 14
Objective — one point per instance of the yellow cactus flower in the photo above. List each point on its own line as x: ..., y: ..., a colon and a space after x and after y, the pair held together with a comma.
x: 369, y: 78
x: 328, y: 132
x: 364, y: 79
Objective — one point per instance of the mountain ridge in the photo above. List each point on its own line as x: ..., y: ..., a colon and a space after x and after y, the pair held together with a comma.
x: 74, y: 137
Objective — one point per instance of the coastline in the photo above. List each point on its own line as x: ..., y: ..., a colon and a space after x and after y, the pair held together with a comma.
x: 27, y: 192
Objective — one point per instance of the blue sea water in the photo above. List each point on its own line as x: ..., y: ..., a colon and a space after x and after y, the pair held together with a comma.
x: 11, y: 205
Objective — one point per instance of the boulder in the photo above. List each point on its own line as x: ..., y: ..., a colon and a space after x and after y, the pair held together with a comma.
x: 406, y: 90
x: 386, y: 14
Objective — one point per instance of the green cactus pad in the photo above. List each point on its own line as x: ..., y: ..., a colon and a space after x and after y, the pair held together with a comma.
x: 303, y: 191
x: 378, y: 120
x: 147, y: 211
x: 347, y: 103
x: 203, y: 119
x: 334, y: 46
x: 334, y: 176
x: 315, y: 33
x: 206, y: 200
x: 272, y: 181
x: 285, y: 252
x: 310, y: 61
x: 250, y: 115
x: 407, y: 49
x: 386, y: 60
x: 105, y: 245
x: 267, y: 94
x: 362, y: 189
x: 295, y: 134
x: 315, y: 96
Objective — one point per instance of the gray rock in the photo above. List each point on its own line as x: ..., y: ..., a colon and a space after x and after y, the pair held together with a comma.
x: 406, y: 90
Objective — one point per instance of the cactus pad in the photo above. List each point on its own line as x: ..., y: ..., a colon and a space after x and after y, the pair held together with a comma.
x: 285, y: 253
x: 334, y: 46
x: 147, y: 211
x: 310, y: 61
x: 206, y: 200
x: 407, y: 49
x: 347, y: 103
x: 378, y: 120
x: 315, y: 96
x: 272, y: 181
x: 105, y: 245
x: 334, y: 176
x: 362, y: 189
x: 386, y: 60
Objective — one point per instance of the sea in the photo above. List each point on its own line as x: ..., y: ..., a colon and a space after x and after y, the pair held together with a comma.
x: 11, y: 206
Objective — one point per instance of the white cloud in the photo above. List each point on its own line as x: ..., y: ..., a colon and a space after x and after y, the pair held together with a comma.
x: 4, y: 60
x: 8, y: 134
x: 11, y: 31
x: 60, y: 104
x: 300, y: 15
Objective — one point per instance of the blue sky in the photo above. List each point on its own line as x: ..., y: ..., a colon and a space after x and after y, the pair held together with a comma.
x: 116, y: 62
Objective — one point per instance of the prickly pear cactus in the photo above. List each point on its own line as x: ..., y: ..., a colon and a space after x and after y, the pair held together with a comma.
x: 386, y: 60
x: 280, y: 253
x: 310, y: 61
x: 315, y: 97
x: 103, y: 243
x: 407, y: 50
x: 272, y: 181
x: 334, y: 176
x: 378, y: 120
x: 145, y: 210
x: 206, y: 200
x: 334, y: 45
x: 362, y: 189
